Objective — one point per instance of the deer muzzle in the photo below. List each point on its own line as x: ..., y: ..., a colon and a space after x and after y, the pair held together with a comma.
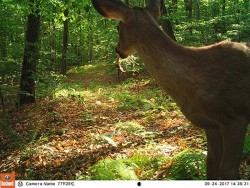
x: 118, y: 51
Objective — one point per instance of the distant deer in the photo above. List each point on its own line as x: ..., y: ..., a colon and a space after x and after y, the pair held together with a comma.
x: 210, y: 84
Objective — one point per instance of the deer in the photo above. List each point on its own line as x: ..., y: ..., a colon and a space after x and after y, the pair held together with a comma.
x: 210, y: 84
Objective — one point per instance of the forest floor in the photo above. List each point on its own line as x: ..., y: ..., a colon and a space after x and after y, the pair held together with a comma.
x: 91, y: 117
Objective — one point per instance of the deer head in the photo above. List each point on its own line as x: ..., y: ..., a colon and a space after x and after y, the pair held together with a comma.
x: 129, y: 20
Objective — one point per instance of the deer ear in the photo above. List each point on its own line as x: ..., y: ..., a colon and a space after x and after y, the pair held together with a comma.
x: 112, y: 9
x: 154, y: 6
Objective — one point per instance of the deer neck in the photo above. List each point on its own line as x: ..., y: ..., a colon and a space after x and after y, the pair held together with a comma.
x: 164, y: 60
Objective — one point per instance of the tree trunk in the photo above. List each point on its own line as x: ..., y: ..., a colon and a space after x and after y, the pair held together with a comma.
x: 65, y: 40
x: 2, y: 101
x: 165, y: 22
x: 53, y: 50
x: 197, y: 9
x: 90, y: 50
x: 3, y: 58
x: 31, y: 55
x: 223, y: 21
x: 215, y: 9
x: 189, y: 8
x: 90, y: 38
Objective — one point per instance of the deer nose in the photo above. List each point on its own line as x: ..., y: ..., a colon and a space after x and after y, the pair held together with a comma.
x: 118, y: 51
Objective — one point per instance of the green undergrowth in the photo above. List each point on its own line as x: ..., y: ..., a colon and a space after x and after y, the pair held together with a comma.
x: 187, y: 165
x: 11, y: 135
x: 141, y: 95
x: 146, y: 104
x: 13, y: 140
x: 89, y: 68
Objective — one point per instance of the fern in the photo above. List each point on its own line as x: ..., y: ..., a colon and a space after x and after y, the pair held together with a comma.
x: 110, y: 169
x: 189, y: 166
